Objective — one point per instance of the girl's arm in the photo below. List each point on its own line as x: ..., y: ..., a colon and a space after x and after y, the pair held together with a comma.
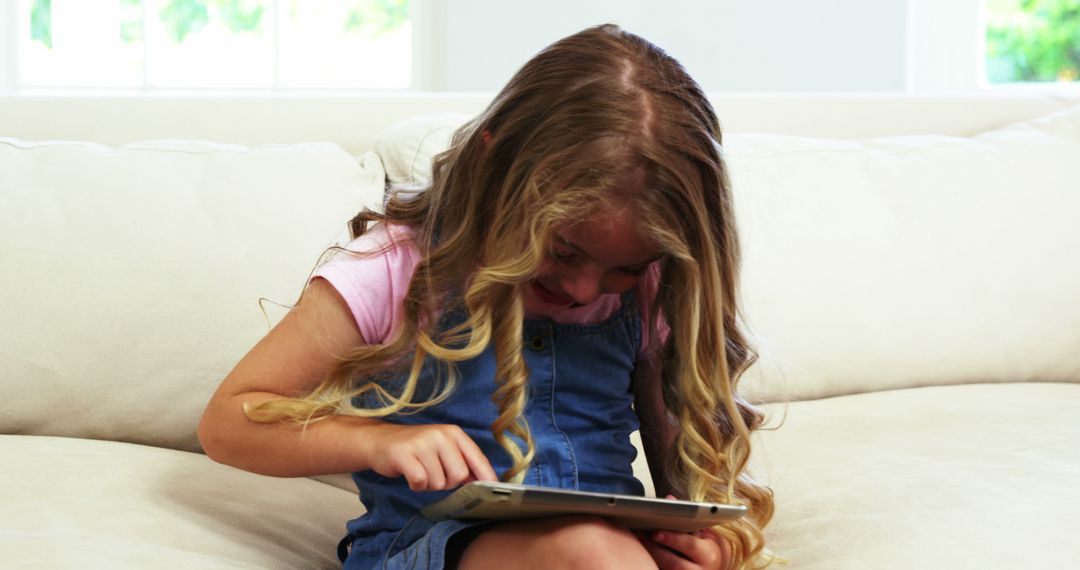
x: 657, y: 431
x: 291, y: 360
x: 669, y: 549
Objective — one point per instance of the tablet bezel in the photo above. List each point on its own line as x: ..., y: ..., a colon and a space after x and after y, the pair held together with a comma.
x: 508, y: 501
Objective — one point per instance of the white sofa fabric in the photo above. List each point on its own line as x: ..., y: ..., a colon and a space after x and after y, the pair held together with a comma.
x: 913, y: 294
x: 81, y: 503
x: 924, y: 259
x: 979, y: 476
x: 136, y: 272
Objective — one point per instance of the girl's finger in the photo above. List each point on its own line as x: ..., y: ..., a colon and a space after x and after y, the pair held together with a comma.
x: 453, y: 465
x: 414, y: 472
x: 702, y: 551
x: 667, y: 559
x: 725, y: 546
x: 478, y: 463
x: 436, y: 478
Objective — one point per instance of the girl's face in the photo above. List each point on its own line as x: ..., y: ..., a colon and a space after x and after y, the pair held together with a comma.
x: 603, y: 254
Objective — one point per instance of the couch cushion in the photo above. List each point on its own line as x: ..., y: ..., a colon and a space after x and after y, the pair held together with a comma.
x: 973, y: 476
x: 133, y: 275
x: 910, y: 261
x: 71, y: 503
x: 407, y: 148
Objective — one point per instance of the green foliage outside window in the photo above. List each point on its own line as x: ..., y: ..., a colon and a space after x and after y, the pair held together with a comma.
x: 183, y: 17
x: 131, y: 24
x: 41, y: 22
x: 1032, y: 40
x: 376, y: 17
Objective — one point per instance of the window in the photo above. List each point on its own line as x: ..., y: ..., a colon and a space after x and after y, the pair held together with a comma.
x: 1032, y: 41
x: 213, y: 44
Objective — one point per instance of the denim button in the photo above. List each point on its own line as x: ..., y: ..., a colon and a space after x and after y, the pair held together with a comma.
x: 537, y: 343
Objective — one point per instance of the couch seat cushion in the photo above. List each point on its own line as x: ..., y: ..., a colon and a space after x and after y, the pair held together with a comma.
x: 972, y: 476
x: 77, y: 503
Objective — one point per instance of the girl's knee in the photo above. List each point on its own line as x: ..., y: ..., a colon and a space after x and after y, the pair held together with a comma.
x: 569, y: 542
x: 594, y: 542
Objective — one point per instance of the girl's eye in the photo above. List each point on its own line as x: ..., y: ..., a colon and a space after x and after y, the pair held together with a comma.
x: 635, y: 271
x: 563, y: 256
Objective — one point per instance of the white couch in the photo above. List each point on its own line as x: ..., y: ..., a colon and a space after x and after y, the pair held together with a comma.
x: 911, y: 277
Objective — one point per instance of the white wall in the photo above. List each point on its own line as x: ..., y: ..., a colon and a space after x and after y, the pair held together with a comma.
x: 727, y: 45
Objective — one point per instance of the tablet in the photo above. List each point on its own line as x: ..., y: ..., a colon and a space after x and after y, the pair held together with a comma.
x: 491, y: 500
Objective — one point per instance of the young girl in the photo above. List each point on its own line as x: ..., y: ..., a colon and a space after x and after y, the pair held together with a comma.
x: 569, y: 276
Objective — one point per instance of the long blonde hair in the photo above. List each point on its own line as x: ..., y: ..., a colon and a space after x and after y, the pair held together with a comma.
x: 549, y: 150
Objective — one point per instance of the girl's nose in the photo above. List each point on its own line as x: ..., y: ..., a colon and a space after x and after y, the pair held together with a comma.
x: 584, y: 287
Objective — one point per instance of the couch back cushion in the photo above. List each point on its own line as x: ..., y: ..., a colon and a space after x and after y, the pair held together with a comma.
x: 892, y: 262
x: 133, y: 275
x: 911, y: 261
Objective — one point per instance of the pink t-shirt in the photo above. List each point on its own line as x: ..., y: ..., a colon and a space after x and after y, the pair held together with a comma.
x: 374, y: 286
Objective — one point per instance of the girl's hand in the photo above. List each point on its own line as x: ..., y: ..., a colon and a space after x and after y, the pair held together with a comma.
x: 673, y: 550
x: 431, y: 457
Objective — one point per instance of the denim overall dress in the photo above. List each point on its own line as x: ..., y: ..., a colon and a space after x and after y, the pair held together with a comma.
x: 579, y: 413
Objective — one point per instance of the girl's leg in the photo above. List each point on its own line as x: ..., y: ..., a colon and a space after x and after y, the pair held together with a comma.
x: 556, y: 543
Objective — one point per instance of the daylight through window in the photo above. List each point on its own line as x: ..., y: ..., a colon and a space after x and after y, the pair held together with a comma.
x: 1032, y: 41
x: 208, y: 44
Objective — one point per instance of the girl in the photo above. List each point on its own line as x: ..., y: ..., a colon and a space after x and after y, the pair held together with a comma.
x: 569, y: 276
